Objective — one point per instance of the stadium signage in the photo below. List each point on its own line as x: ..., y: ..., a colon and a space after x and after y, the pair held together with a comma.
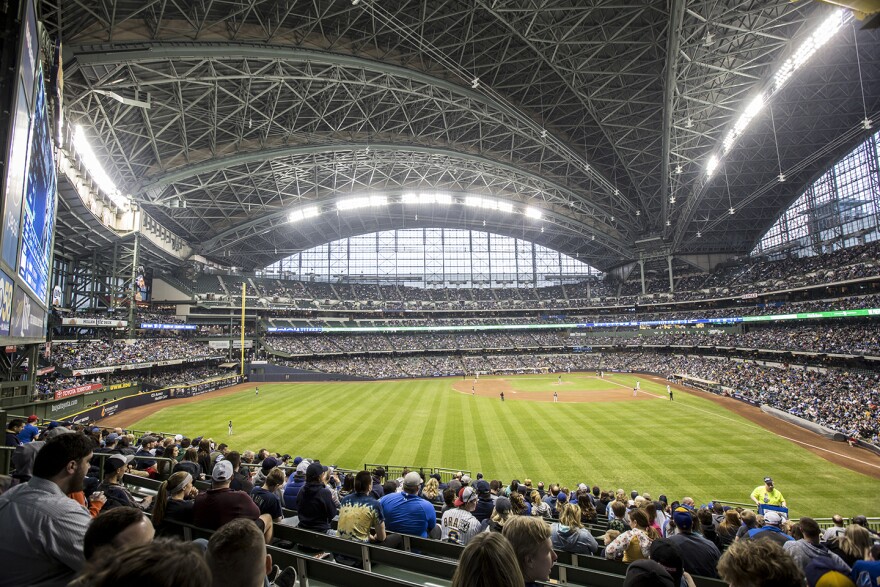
x: 78, y: 390
x: 159, y: 326
x: 98, y: 322
x: 634, y: 323
x: 64, y: 405
x: 123, y: 385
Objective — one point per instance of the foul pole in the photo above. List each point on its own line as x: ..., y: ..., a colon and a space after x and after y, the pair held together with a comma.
x: 243, y: 291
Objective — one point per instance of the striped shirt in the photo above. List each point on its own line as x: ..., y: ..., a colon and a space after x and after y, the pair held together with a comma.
x: 43, y: 532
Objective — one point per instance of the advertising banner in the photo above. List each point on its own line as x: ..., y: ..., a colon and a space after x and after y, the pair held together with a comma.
x: 78, y: 390
x: 172, y: 326
x: 6, y: 287
x: 28, y: 318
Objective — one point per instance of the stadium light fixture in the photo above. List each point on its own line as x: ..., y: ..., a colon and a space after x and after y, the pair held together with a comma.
x: 361, y: 202
x: 808, y: 48
x: 743, y: 121
x: 96, y: 170
x: 303, y: 214
x: 533, y: 213
x: 426, y: 198
x: 712, y: 165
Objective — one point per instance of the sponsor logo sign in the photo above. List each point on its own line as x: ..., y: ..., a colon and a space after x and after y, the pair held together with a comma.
x: 79, y: 389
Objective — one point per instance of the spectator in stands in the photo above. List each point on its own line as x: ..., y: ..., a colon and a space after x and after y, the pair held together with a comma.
x: 190, y: 463
x: 30, y: 431
x: 635, y: 543
x: 647, y: 572
x: 42, y: 529
x: 266, y: 465
x: 761, y: 563
x: 835, y: 530
x: 175, y: 500
x: 707, y: 526
x: 164, y: 562
x: 485, y: 503
x: 378, y: 481
x: 236, y: 555
x: 771, y: 530
x: 519, y: 505
x: 863, y: 522
x: 728, y: 528
x: 118, y: 529
x: 539, y: 506
x: 749, y: 522
x: 767, y: 494
x: 115, y: 467
x: 13, y: 429
x: 431, y: 491
x: 146, y: 452
x: 569, y: 534
x: 266, y: 496
x: 700, y: 555
x: 360, y: 516
x: 501, y: 513
x: 240, y: 481
x: 530, y: 538
x: 459, y: 525
x: 668, y: 555
x: 488, y: 561
x: 588, y: 510
x: 853, y: 545
x: 296, y: 482
x: 314, y: 502
x: 166, y: 467
x: 867, y: 572
x: 221, y: 504
x: 618, y: 511
x: 809, y: 548
x: 204, y: 457
x: 407, y: 513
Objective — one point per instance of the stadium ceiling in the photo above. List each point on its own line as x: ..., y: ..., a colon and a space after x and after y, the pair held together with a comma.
x: 601, y: 114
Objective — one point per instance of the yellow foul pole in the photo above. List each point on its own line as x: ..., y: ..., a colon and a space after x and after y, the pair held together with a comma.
x: 243, y: 292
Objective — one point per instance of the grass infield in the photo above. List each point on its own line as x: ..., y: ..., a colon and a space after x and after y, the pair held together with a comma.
x: 687, y: 447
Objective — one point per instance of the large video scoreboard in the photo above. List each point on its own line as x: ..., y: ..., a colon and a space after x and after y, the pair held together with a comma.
x: 28, y: 191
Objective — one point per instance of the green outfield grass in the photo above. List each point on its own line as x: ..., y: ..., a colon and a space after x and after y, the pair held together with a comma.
x: 689, y: 447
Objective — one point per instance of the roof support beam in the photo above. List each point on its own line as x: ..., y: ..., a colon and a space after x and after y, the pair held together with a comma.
x: 676, y: 18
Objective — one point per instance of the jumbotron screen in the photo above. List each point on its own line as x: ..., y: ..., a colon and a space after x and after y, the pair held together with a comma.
x: 38, y: 221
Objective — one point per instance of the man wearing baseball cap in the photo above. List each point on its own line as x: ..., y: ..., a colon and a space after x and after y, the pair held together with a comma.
x: 314, y: 502
x: 220, y: 504
x: 406, y: 512
x: 115, y: 467
x: 767, y: 494
x: 771, y: 530
x: 699, y: 555
x: 458, y: 524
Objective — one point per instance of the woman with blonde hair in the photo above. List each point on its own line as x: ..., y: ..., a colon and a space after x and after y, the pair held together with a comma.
x: 501, y: 514
x: 431, y: 491
x: 728, y: 528
x: 530, y: 538
x: 488, y: 561
x: 568, y: 533
x: 853, y: 545
x: 633, y: 544
x: 539, y: 507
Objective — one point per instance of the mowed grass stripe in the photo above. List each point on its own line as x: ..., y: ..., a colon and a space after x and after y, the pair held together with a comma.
x: 689, y: 447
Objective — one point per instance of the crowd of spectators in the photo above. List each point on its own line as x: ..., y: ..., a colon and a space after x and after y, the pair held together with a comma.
x: 186, y: 376
x: 108, y: 353
x: 75, y: 521
x: 853, y: 338
x: 745, y: 276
